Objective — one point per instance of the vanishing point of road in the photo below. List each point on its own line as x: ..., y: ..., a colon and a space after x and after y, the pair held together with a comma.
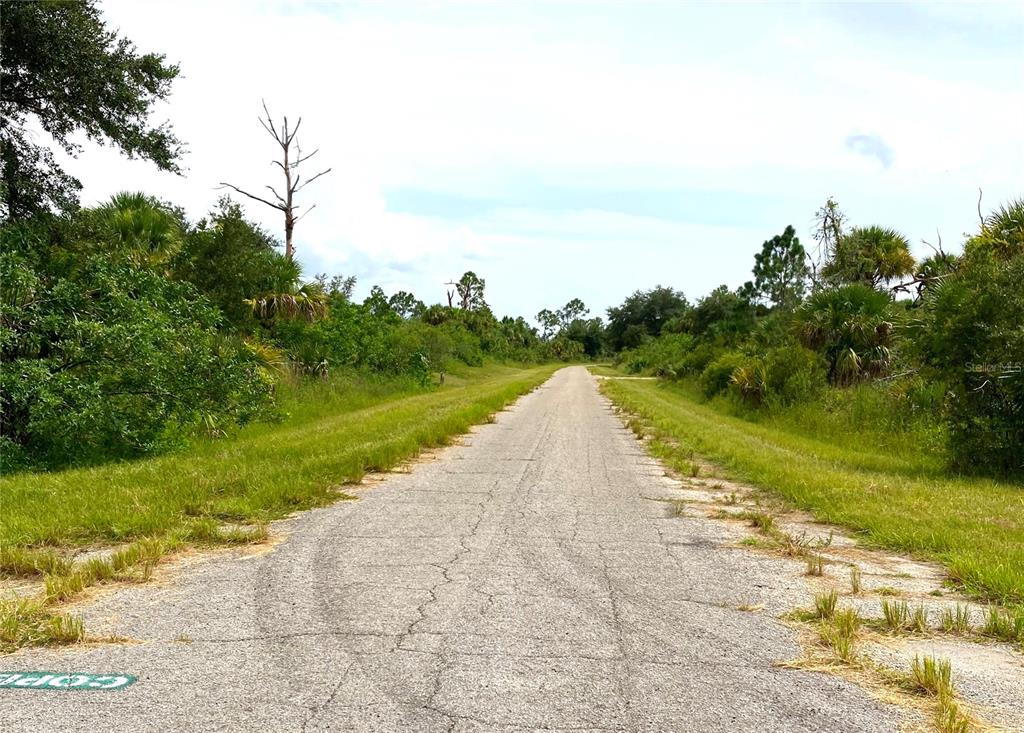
x: 531, y: 578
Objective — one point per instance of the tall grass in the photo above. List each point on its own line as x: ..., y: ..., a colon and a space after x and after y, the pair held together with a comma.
x: 902, y: 501
x: 335, y: 434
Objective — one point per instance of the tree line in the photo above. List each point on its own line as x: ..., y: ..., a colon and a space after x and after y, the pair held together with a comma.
x: 938, y: 339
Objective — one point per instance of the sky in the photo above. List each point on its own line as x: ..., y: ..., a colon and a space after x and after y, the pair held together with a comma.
x: 565, y: 150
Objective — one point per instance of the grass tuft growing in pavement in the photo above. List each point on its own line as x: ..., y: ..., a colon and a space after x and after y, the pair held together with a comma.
x: 825, y: 605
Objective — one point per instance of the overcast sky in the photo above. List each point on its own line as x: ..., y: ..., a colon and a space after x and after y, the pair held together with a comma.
x: 585, y: 150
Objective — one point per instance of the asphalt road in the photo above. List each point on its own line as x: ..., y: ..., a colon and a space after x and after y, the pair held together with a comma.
x: 529, y: 579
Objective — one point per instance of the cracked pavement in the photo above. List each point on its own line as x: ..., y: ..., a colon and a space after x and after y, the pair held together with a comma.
x: 529, y: 579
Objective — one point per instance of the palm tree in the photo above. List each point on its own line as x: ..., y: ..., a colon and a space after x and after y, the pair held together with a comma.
x: 141, y: 226
x: 870, y: 255
x: 1002, y: 232
x: 308, y: 303
x: 850, y: 325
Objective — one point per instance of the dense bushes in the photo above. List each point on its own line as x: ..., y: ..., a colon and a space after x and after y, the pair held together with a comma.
x: 125, y: 329
x: 717, y: 376
x: 970, y: 335
x: 781, y: 376
x: 104, y: 357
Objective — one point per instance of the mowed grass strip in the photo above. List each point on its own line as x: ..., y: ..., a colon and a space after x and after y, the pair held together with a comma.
x: 975, y: 527
x: 256, y: 476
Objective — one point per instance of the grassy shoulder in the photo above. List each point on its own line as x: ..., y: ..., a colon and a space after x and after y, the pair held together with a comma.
x: 893, y: 499
x: 222, y: 492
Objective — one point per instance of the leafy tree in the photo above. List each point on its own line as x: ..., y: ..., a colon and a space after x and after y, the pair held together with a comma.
x: 643, y: 314
x: 471, y: 291
x: 232, y: 261
x: 572, y: 311
x: 780, y: 270
x: 722, y: 315
x: 62, y: 70
x: 852, y: 327
x: 870, y: 255
x: 337, y: 288
x: 588, y: 332
x: 406, y: 305
x: 519, y: 335
x: 549, y: 322
x: 377, y: 303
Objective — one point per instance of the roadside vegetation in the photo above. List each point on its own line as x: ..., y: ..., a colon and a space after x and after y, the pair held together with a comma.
x: 223, y: 492
x: 974, y: 526
x: 167, y: 382
x: 880, y: 393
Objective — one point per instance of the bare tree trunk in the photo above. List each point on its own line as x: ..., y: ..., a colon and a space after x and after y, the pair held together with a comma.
x: 292, y: 178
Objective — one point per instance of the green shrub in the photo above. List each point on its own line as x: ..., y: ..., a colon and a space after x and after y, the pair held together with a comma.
x: 717, y: 376
x: 104, y: 357
x: 793, y: 374
x: 970, y: 334
x: 696, y: 360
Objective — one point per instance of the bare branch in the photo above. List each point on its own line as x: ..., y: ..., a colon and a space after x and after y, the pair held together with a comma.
x: 295, y: 131
x: 305, y: 212
x: 276, y: 194
x: 257, y: 198
x: 980, y: 217
x: 269, y: 124
x: 303, y: 159
x: 321, y: 173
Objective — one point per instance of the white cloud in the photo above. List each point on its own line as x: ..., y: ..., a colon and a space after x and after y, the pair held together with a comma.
x: 748, y: 100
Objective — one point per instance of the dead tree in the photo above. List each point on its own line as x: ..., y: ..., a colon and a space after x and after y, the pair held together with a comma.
x: 293, y: 183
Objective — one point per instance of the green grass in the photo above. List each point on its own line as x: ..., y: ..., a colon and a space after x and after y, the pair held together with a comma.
x: 605, y: 370
x: 263, y: 473
x: 974, y: 526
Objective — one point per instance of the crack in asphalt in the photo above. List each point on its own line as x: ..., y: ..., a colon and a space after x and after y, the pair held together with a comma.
x: 557, y: 598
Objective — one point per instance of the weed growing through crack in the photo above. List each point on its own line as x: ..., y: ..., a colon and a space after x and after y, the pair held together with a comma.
x: 855, y: 580
x: 1004, y: 624
x: 25, y: 622
x: 919, y: 619
x: 815, y: 565
x: 762, y: 520
x: 677, y: 508
x: 956, y: 620
x: 951, y: 718
x: 825, y: 604
x: 896, y: 614
x: 931, y: 676
x: 840, y: 634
